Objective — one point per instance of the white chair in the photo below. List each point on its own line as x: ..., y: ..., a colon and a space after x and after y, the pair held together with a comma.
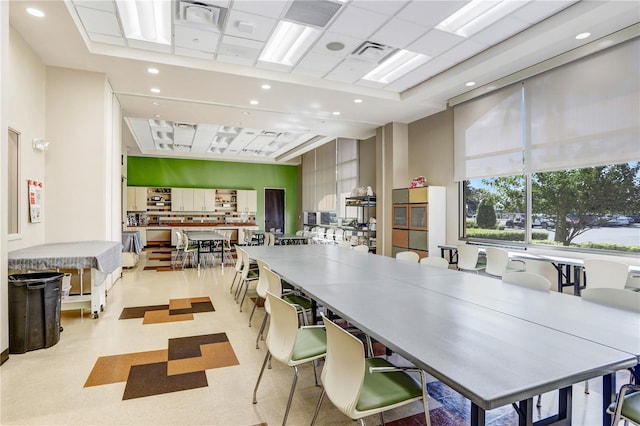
x: 227, y: 251
x: 408, y: 257
x: 360, y: 386
x: 362, y: 247
x: 469, y: 258
x: 247, y: 276
x: 188, y: 251
x: 261, y: 287
x: 344, y: 244
x: 319, y: 235
x: 618, y: 298
x: 627, y: 405
x: 338, y: 236
x: 289, y: 344
x: 498, y: 262
x: 238, y: 269
x: 438, y: 262
x: 527, y: 279
x: 328, y: 236
x: 269, y: 239
x: 605, y: 273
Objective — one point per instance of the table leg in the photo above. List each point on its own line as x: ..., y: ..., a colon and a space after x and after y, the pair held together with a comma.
x: 478, y: 415
x: 525, y: 412
x: 608, y: 396
x: 577, y: 271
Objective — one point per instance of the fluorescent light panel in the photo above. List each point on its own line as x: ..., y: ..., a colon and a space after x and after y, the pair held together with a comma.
x: 478, y: 15
x: 146, y: 20
x: 288, y: 43
x: 397, y: 65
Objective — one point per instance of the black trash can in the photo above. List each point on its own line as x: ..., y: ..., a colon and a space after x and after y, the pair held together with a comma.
x: 34, y: 311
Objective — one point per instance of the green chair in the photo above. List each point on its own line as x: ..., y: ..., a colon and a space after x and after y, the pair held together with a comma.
x: 290, y: 344
x: 360, y: 386
x: 627, y: 405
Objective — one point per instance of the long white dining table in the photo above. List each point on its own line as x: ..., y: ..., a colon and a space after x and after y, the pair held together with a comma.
x: 493, y: 343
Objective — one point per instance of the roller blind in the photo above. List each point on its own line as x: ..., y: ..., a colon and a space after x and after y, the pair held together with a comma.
x: 346, y: 171
x: 309, y: 181
x: 586, y: 113
x: 325, y: 197
x: 488, y: 135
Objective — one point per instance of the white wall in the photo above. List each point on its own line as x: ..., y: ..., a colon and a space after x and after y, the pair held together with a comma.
x: 27, y: 112
x: 77, y: 172
x: 4, y: 125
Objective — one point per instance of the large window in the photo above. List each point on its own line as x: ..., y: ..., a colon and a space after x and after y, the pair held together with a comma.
x: 555, y: 158
x: 13, y: 210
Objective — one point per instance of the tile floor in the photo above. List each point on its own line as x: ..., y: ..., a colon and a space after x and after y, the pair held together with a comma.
x: 118, y: 369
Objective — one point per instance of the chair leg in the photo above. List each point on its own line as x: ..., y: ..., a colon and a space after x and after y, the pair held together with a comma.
x: 233, y: 282
x: 293, y: 389
x: 586, y: 387
x: 255, y: 305
x: 425, y: 398
x: 539, y: 403
x: 381, y: 419
x: 264, y: 323
x: 315, y: 415
x: 264, y: 364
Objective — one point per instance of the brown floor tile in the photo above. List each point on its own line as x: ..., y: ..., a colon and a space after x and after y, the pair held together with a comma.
x: 214, y: 355
x: 158, y: 317
x: 152, y: 379
x: 115, y: 368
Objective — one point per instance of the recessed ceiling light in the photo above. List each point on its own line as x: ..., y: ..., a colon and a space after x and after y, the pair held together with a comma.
x: 266, y: 86
x: 400, y: 63
x: 155, y: 103
x: 358, y: 101
x: 157, y: 115
x: 288, y: 43
x: 254, y: 102
x: 246, y: 113
x: 35, y: 12
x: 336, y: 113
x: 582, y: 36
x: 153, y: 70
x: 335, y: 46
x: 470, y: 83
x: 155, y: 90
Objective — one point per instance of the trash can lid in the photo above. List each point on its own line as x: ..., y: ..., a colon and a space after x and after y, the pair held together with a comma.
x: 35, y: 277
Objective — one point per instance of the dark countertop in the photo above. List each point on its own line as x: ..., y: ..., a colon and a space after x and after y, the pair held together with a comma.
x: 200, y: 224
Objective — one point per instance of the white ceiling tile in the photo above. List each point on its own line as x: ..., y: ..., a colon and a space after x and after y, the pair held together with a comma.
x: 259, y: 27
x: 350, y: 70
x: 195, y: 39
x: 98, y: 21
x: 415, y: 77
x: 316, y: 65
x: 273, y: 66
x: 371, y: 83
x: 536, y: 11
x: 104, y: 5
x: 238, y: 41
x: 463, y: 51
x: 398, y: 33
x: 265, y: 7
x: 350, y: 43
x: 388, y: 8
x: 500, y: 31
x: 435, y: 42
x: 102, y: 38
x: 429, y: 13
x: 193, y: 53
x: 145, y: 45
x: 357, y: 22
x: 237, y: 55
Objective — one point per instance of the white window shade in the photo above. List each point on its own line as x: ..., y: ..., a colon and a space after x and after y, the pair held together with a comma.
x: 346, y: 171
x: 309, y: 181
x: 586, y: 113
x: 325, y: 190
x: 488, y: 135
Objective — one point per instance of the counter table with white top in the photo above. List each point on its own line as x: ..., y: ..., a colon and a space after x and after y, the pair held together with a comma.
x: 102, y: 257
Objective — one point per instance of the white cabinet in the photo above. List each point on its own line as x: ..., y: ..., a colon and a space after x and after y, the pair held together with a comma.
x: 204, y: 200
x: 182, y: 199
x: 247, y: 200
x: 136, y: 198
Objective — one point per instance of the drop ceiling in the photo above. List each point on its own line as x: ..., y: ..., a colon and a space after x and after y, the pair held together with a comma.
x: 211, y: 103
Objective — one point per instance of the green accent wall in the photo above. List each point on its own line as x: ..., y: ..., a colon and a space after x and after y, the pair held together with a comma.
x: 183, y: 173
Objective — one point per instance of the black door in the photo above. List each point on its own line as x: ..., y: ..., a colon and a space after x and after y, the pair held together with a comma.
x: 274, y: 209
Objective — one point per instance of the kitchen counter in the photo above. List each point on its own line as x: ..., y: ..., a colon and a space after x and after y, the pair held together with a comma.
x: 207, y: 224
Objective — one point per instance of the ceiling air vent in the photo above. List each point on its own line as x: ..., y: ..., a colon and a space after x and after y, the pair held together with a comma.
x: 372, y: 52
x: 316, y: 13
x: 200, y: 14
